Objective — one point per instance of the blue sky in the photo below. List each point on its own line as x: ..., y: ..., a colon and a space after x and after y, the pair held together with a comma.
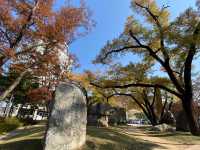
x: 110, y: 17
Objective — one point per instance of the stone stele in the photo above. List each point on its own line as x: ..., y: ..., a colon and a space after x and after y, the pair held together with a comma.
x: 68, y: 118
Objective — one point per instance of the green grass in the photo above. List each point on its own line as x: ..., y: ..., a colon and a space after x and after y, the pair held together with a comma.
x: 9, y: 124
x: 29, y: 138
x: 97, y: 139
x: 25, y: 144
x: 111, y: 139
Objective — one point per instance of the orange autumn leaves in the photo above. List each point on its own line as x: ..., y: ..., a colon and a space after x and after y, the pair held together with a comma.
x: 32, y: 33
x: 39, y: 94
x: 23, y: 23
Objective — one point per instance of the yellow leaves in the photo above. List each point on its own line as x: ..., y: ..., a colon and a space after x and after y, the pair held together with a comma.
x: 142, y: 2
x: 109, y: 82
x: 155, y: 43
x: 83, y: 79
x: 133, y: 25
x: 150, y: 9
x: 164, y: 18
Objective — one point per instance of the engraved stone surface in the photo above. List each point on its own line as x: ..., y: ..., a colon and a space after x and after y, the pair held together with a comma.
x: 68, y: 119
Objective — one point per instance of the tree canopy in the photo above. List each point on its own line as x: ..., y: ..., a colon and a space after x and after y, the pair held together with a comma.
x: 33, y: 36
x: 158, y: 40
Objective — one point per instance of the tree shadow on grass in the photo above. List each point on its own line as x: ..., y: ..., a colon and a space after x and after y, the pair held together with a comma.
x: 19, y: 133
x: 115, y: 141
x: 97, y: 139
x: 29, y: 144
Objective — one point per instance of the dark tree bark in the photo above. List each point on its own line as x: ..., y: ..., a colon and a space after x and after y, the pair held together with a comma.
x: 13, y: 85
x: 189, y: 110
x: 187, y: 99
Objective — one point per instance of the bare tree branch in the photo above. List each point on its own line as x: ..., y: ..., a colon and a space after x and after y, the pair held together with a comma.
x: 151, y: 52
x: 135, y: 100
x: 139, y: 85
x: 118, y: 50
x: 160, y: 28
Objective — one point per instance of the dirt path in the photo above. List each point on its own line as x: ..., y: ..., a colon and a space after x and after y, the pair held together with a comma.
x: 165, y: 144
x: 195, y: 147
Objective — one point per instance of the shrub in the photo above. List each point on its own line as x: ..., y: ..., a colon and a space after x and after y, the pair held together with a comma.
x: 28, y: 121
x: 9, y: 124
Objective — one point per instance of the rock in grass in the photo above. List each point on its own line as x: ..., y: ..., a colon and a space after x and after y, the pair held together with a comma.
x: 163, y: 128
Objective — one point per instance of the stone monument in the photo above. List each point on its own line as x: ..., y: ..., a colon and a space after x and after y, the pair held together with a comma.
x: 68, y: 118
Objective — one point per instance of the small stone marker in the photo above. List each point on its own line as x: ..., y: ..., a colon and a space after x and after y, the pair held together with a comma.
x: 68, y: 119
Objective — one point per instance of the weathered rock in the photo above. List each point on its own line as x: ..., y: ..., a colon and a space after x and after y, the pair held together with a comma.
x: 68, y: 118
x: 103, y: 121
x: 163, y: 128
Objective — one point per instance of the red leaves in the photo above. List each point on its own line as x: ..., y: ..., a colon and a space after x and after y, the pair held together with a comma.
x: 26, y: 21
x: 9, y: 52
x: 31, y: 32
x: 39, y: 94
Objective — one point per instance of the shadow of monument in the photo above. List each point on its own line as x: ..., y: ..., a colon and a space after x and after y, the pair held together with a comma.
x: 32, y: 144
x: 116, y: 141
x: 20, y: 133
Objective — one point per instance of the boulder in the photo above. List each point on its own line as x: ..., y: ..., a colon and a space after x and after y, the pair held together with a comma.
x: 163, y: 128
x: 67, y: 121
x: 103, y: 121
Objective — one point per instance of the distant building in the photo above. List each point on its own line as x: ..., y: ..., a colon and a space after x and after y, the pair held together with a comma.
x: 3, y: 105
x: 30, y: 111
x: 34, y: 112
x: 5, y: 108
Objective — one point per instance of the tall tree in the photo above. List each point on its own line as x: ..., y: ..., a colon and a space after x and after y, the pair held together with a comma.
x: 27, y: 26
x: 147, y: 99
x: 171, y: 44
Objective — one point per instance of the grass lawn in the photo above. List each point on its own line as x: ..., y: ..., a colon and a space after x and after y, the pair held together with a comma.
x: 112, y: 139
x: 98, y: 139
x: 179, y: 137
x: 9, y: 124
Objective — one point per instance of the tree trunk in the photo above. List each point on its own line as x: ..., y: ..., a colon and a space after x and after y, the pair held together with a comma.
x: 187, y: 99
x: 13, y: 85
x: 154, y: 121
x: 189, y: 109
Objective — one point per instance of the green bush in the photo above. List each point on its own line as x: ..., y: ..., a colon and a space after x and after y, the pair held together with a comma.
x: 9, y: 124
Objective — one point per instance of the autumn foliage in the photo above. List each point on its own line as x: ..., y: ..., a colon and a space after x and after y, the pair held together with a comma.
x: 33, y: 34
x: 39, y: 95
x: 26, y: 26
